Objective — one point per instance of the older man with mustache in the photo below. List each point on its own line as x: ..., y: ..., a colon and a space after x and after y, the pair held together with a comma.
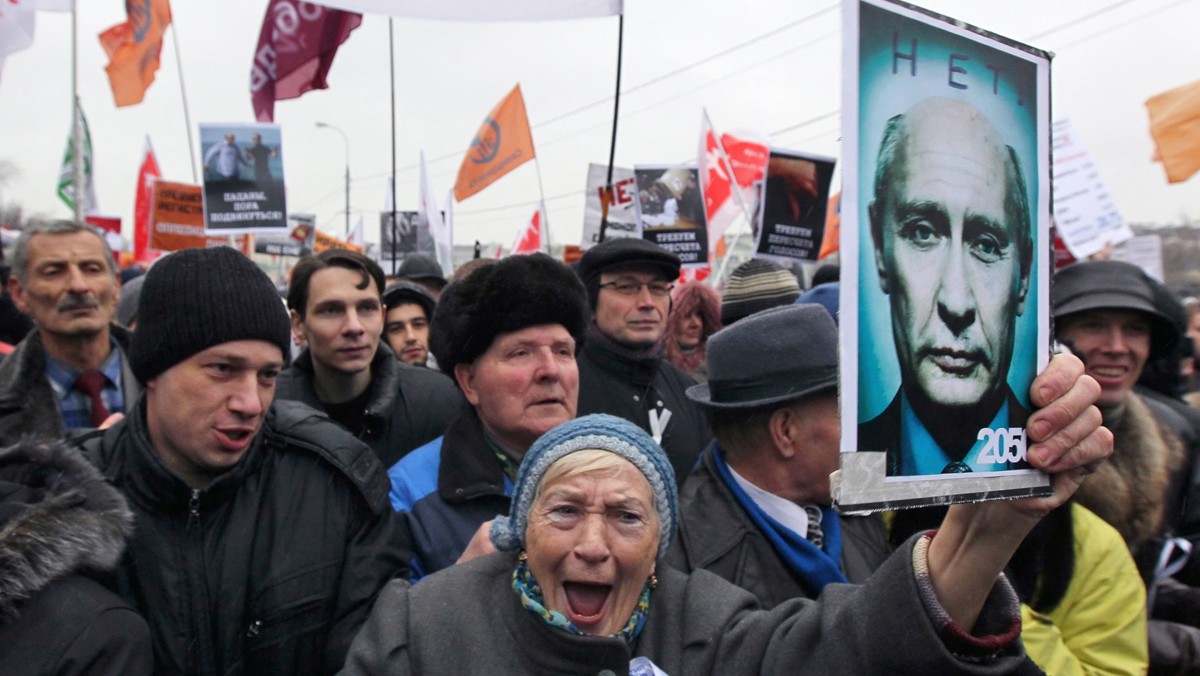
x: 70, y: 372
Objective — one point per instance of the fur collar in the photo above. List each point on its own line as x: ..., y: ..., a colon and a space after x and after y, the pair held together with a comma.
x: 59, y: 516
x: 1127, y: 489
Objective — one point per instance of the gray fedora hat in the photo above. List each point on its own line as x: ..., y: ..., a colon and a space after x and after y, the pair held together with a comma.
x: 776, y: 355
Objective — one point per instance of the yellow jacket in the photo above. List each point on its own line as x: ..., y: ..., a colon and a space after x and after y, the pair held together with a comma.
x: 1100, y: 625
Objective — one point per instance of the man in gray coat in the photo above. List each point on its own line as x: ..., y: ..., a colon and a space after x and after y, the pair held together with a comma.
x: 756, y: 511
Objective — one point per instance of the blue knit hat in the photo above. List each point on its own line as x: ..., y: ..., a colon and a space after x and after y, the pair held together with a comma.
x: 591, y: 432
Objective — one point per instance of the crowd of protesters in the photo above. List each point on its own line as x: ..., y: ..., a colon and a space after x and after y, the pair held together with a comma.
x: 536, y: 467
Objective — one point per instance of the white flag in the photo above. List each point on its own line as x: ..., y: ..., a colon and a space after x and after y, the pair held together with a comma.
x: 66, y: 175
x: 482, y: 10
x: 55, y: 5
x: 431, y: 212
x: 355, y: 236
x: 16, y: 26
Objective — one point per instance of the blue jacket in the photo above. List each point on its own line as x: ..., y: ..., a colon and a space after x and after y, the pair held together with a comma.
x: 444, y: 490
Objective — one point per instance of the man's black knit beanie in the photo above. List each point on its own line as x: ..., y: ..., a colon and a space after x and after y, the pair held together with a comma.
x: 197, y: 298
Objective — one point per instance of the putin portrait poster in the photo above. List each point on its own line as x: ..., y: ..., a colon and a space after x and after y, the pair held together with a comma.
x: 945, y: 258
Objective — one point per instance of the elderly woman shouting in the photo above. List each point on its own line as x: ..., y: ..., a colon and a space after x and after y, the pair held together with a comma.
x: 578, y: 587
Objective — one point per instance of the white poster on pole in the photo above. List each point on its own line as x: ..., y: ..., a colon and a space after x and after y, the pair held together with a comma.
x: 1084, y: 212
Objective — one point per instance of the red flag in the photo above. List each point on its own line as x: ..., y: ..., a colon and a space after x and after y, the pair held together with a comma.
x: 530, y: 239
x: 147, y: 173
x: 502, y: 144
x: 748, y: 159
x: 296, y: 47
x: 715, y: 182
x: 133, y: 48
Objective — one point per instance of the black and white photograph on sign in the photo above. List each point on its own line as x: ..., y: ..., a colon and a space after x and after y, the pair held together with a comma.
x: 411, y: 235
x: 401, y: 239
x: 945, y: 257
x: 243, y: 179
x: 670, y: 210
x: 794, y: 201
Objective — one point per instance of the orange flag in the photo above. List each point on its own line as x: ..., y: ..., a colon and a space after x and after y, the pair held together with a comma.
x: 502, y: 144
x: 833, y: 227
x: 1175, y: 126
x: 133, y: 48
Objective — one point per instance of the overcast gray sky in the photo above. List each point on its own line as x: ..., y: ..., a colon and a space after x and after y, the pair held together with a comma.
x: 770, y: 66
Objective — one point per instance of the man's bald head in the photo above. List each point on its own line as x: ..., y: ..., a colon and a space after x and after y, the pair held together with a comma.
x: 941, y: 125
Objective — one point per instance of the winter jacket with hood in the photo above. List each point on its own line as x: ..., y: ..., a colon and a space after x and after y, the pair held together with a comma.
x: 61, y: 526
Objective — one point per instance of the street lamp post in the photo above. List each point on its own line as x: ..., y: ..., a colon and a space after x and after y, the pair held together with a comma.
x: 346, y: 143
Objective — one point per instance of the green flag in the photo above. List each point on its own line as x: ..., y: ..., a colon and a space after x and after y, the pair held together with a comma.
x: 66, y: 175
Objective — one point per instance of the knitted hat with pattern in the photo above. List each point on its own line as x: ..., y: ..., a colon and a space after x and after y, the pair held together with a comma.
x: 591, y: 432
x: 755, y: 286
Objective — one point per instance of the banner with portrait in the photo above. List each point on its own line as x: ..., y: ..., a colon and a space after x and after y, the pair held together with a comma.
x: 945, y: 258
x: 243, y: 179
x: 670, y: 211
x: 791, y: 220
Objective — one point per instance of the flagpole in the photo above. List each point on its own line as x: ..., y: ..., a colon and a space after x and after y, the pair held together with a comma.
x: 392, y: 61
x: 612, y: 150
x: 542, y: 194
x: 187, y: 116
x: 76, y: 126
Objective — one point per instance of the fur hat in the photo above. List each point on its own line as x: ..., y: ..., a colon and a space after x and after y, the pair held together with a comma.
x: 1116, y: 285
x: 624, y: 251
x: 197, y: 298
x: 754, y: 286
x: 516, y: 293
x: 591, y: 432
x: 802, y: 342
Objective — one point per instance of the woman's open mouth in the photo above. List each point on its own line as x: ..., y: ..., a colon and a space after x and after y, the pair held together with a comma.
x: 586, y: 602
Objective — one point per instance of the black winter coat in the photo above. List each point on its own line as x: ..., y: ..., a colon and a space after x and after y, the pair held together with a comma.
x: 614, y: 381
x: 271, y: 569
x: 408, y: 406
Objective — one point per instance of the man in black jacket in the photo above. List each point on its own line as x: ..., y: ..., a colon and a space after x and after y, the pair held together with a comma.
x: 622, y: 371
x: 757, y: 510
x: 263, y: 531
x: 346, y: 371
